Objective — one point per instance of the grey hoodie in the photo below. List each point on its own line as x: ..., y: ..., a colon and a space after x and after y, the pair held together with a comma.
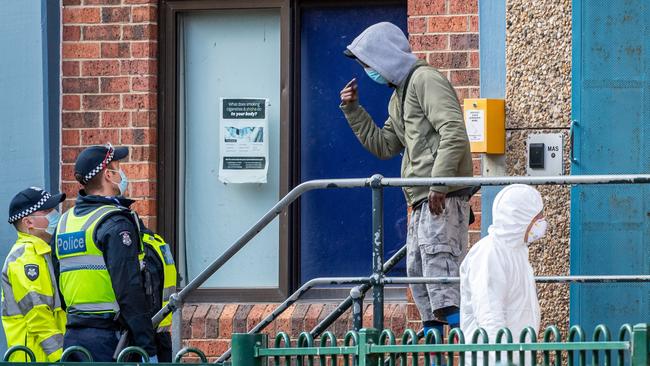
x: 385, y: 48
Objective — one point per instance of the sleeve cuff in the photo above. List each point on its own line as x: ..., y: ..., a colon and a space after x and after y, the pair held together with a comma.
x: 439, y: 189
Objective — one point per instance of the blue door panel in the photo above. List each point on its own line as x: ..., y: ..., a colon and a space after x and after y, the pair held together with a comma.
x: 610, y: 224
x: 336, y: 224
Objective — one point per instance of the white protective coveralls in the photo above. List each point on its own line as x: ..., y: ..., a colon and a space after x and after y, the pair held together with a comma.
x: 497, y: 284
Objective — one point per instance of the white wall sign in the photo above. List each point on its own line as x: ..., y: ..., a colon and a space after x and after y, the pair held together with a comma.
x: 475, y: 124
x: 244, y: 140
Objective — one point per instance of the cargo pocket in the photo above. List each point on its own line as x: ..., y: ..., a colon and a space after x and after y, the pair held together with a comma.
x: 434, y: 232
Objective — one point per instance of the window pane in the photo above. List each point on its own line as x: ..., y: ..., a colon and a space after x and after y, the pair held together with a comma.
x: 231, y: 54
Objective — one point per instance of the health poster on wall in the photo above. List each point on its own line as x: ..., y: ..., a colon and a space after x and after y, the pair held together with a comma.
x: 244, y: 140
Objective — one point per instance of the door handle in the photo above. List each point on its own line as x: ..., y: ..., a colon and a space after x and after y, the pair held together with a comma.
x: 575, y: 158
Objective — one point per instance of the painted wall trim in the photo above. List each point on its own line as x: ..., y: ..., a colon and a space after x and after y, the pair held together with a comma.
x: 51, y: 36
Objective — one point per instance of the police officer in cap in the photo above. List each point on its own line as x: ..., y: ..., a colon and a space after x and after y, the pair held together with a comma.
x: 31, y: 307
x: 97, y: 246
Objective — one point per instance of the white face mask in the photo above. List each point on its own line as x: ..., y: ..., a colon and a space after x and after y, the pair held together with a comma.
x: 537, y: 231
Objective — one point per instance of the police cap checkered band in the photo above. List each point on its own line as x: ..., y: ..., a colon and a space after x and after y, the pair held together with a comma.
x: 31, y: 200
x: 92, y: 160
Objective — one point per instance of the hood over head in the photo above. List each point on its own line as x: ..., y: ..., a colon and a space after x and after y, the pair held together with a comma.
x: 385, y: 48
x: 512, y: 211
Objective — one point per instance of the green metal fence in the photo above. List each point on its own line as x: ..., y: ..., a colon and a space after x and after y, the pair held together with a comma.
x: 370, y: 347
x: 124, y: 358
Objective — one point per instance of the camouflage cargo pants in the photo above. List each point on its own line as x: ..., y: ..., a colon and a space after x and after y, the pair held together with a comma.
x: 435, y: 247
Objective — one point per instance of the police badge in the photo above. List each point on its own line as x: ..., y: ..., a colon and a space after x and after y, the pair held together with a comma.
x: 126, y: 238
x: 31, y: 271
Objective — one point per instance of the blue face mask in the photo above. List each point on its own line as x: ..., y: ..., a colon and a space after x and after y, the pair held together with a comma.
x: 124, y: 182
x: 53, y: 220
x: 375, y: 76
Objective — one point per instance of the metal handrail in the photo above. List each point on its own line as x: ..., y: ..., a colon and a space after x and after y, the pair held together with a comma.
x: 377, y: 183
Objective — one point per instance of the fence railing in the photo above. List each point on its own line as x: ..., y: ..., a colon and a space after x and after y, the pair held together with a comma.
x: 371, y: 347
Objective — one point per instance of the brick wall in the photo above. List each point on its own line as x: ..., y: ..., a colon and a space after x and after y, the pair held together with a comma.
x: 109, y: 86
x: 445, y: 33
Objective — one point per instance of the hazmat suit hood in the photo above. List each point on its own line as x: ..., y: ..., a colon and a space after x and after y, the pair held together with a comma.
x: 512, y: 211
x: 385, y: 48
x: 497, y: 282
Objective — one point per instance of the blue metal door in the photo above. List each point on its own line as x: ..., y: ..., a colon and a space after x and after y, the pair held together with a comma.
x: 336, y: 224
x: 610, y: 225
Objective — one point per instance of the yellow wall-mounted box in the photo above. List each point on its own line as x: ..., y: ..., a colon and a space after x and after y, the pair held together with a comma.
x: 485, y: 120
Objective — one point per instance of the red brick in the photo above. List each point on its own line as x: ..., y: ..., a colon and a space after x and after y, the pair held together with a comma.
x: 140, y: 32
x: 138, y: 136
x: 143, y: 190
x: 429, y: 42
x: 474, y: 237
x: 444, y: 24
x: 463, y: 6
x: 139, y: 67
x: 464, y: 41
x: 448, y: 60
x: 473, y: 23
x: 144, y: 118
x: 71, y: 102
x: 368, y: 316
x: 80, y: 15
x: 139, y: 101
x: 115, y: 85
x: 474, y: 60
x: 116, y: 15
x: 186, y: 329
x: 283, y: 322
x: 311, y: 318
x: 145, y: 83
x: 70, y: 137
x: 80, y: 50
x: 67, y: 173
x: 101, y: 102
x: 417, y: 25
x: 80, y: 85
x: 256, y: 315
x: 140, y: 1
x: 474, y: 92
x: 71, y: 2
x: 144, y: 49
x: 101, y: 32
x: 143, y: 14
x: 100, y: 68
x: 102, y: 2
x: 426, y: 7
x: 268, y: 310
x: 239, y: 321
x: 212, y: 319
x: 225, y: 320
x: 475, y: 203
x: 462, y: 94
x: 70, y: 68
x: 211, y: 347
x: 298, y: 318
x: 139, y: 170
x: 144, y: 207
x: 465, y: 77
x: 69, y: 154
x: 116, y: 50
x: 80, y: 120
x: 142, y: 153
x: 343, y: 324
x: 71, y: 33
x: 115, y: 119
x: 99, y: 136
x: 198, y: 320
x: 70, y: 189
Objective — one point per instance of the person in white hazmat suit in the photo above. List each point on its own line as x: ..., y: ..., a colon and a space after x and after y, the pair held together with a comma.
x: 497, y: 284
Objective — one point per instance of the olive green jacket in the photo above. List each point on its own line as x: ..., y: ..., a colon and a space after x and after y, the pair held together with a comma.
x: 430, y: 131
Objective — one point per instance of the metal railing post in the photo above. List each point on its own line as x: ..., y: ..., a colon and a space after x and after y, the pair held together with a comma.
x: 356, y: 294
x: 243, y: 349
x: 640, y: 345
x: 377, y: 251
x: 367, y: 338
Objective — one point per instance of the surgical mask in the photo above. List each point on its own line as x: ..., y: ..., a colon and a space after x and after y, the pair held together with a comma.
x: 53, y: 220
x: 537, y: 231
x: 124, y: 182
x: 375, y: 76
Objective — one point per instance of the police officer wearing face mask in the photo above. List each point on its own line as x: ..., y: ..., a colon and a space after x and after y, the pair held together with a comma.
x: 31, y: 307
x: 97, y: 246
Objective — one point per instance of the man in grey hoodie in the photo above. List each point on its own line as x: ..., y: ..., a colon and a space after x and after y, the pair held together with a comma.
x: 426, y: 124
